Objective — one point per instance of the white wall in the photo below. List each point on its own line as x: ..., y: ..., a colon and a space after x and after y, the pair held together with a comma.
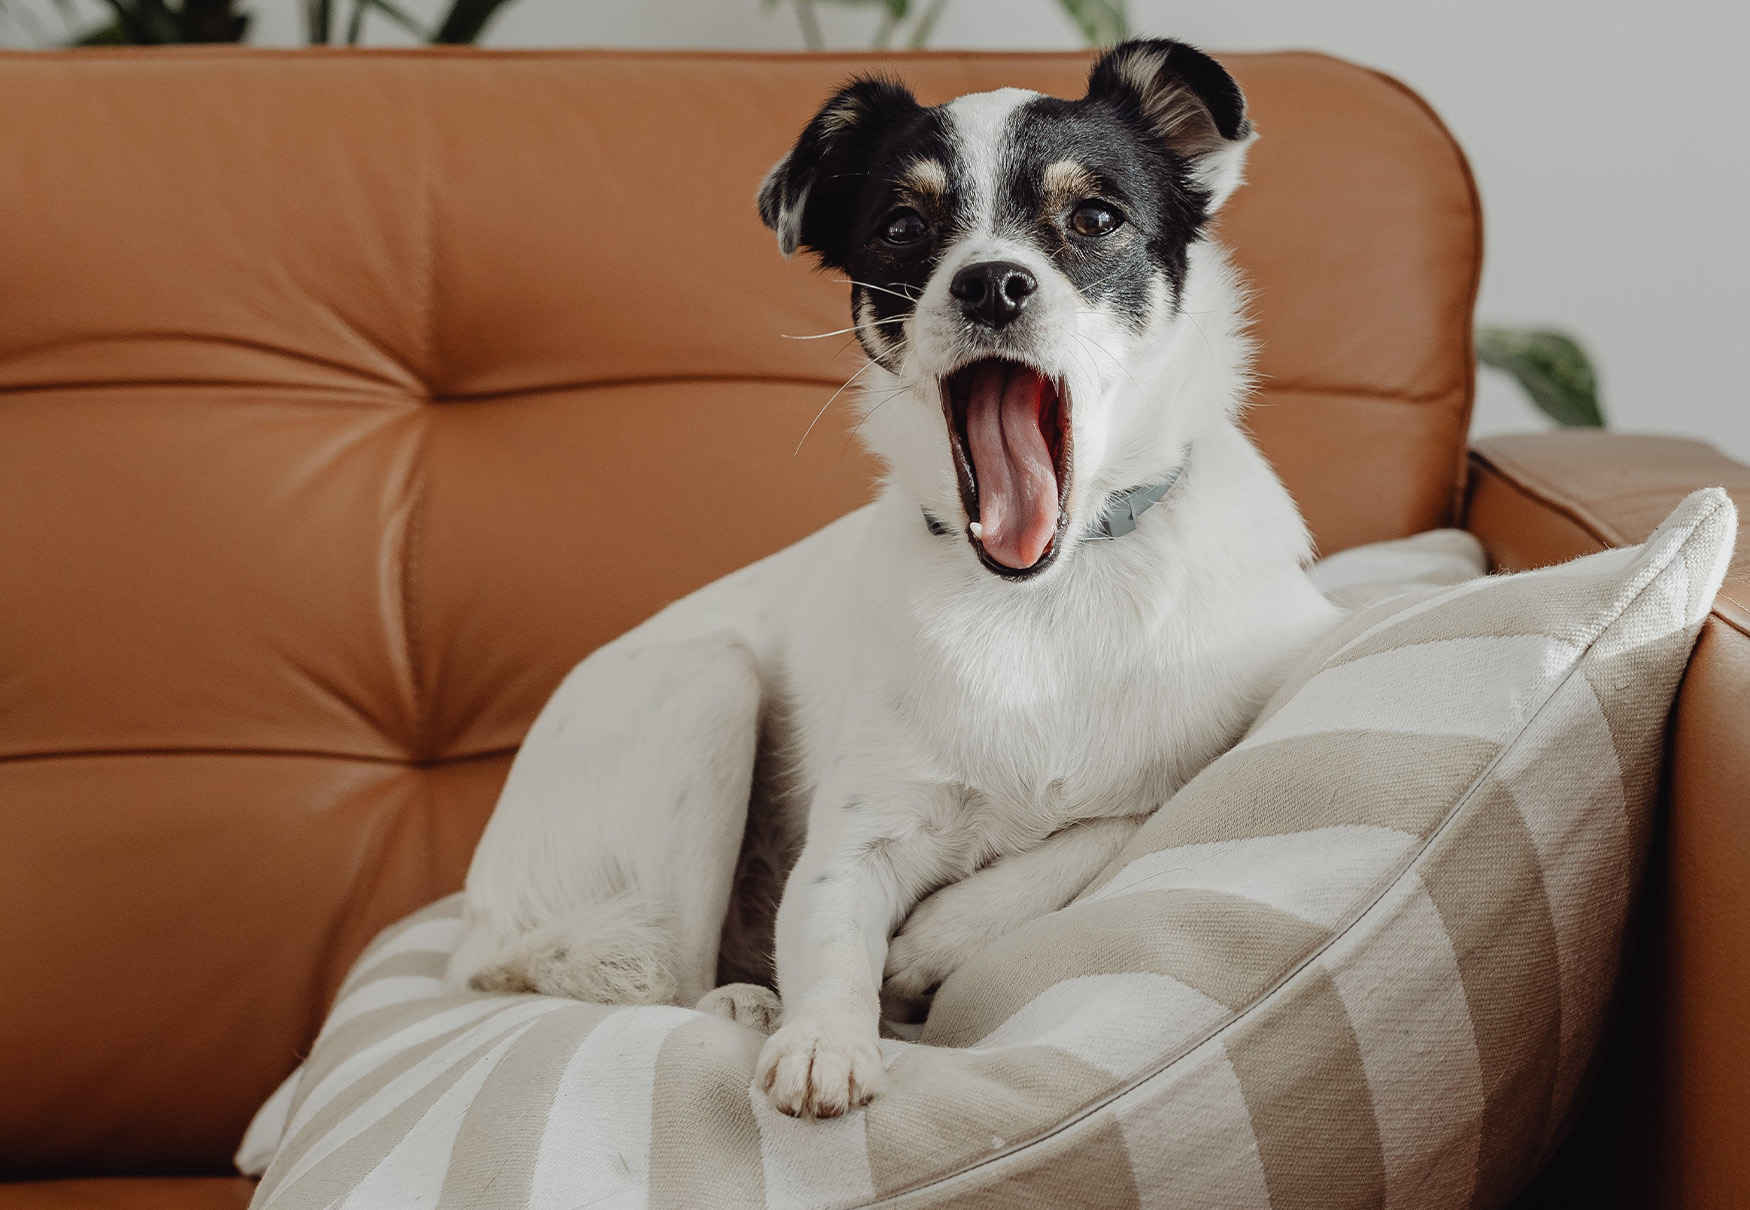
x: 1608, y: 141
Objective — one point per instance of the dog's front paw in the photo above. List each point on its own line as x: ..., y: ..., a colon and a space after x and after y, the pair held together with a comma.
x: 812, y: 1072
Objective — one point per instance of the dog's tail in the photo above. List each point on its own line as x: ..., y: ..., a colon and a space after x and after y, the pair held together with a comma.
x: 622, y: 950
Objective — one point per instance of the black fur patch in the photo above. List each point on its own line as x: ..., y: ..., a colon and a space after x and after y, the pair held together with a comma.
x: 1148, y: 186
x: 1153, y: 109
x: 826, y: 173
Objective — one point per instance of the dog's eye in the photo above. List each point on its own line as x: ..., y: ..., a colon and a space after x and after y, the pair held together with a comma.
x: 1095, y: 218
x: 904, y: 227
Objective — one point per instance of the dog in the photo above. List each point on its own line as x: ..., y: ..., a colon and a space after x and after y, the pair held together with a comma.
x: 1078, y: 584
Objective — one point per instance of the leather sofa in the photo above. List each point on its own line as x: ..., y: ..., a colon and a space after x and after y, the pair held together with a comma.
x: 347, y: 399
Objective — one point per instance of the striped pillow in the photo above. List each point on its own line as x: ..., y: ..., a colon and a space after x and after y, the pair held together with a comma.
x: 1361, y: 960
x: 1364, y: 575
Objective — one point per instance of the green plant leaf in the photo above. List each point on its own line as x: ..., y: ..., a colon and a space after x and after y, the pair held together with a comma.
x: 808, y: 21
x: 897, y: 9
x: 920, y: 33
x: 147, y: 22
x: 1551, y: 366
x: 159, y: 15
x: 467, y: 20
x: 211, y: 21
x: 1102, y: 22
x: 893, y: 14
x: 399, y: 16
x: 111, y: 34
x: 24, y: 20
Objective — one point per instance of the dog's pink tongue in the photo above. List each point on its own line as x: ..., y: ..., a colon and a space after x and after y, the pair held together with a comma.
x: 1017, y: 481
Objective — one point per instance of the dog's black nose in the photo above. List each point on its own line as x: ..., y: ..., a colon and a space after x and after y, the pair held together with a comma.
x: 993, y: 292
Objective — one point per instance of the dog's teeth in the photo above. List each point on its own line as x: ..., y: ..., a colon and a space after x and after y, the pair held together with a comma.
x: 977, y: 529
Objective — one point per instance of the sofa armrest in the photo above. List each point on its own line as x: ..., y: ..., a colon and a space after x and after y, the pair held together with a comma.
x: 1670, y: 1122
x: 1548, y: 497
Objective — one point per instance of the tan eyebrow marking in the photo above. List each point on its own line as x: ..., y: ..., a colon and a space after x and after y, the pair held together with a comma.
x: 1066, y: 181
x: 866, y: 325
x: 926, y: 178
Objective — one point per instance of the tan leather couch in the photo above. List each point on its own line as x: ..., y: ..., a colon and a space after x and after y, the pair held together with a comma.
x: 347, y: 399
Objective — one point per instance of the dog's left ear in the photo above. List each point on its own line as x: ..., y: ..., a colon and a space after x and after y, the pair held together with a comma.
x: 1185, y: 99
x: 809, y: 197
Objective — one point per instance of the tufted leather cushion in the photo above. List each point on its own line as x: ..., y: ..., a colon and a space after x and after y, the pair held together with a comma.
x: 347, y: 399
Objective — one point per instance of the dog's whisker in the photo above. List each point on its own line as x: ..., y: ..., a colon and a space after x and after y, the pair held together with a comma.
x: 872, y: 286
x: 1098, y: 282
x: 1193, y: 318
x: 866, y: 368
x: 1097, y: 347
x: 1093, y: 369
x: 882, y: 402
x: 856, y: 327
x: 1117, y: 361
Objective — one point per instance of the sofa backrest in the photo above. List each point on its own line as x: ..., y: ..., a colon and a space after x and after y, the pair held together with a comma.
x: 347, y: 399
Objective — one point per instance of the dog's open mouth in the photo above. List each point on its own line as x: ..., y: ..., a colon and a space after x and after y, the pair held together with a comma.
x: 1008, y: 433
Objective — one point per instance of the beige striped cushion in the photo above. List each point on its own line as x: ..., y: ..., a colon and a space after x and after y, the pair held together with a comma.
x: 1364, y: 575
x: 1361, y: 960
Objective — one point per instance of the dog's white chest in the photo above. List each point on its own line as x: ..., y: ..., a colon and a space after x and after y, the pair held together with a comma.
x: 1058, y: 724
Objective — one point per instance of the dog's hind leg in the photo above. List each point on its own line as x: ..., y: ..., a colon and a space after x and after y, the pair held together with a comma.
x: 621, y: 950
x: 605, y: 871
x: 751, y: 1004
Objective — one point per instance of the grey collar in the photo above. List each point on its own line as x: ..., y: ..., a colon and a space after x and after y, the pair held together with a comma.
x: 1122, y: 510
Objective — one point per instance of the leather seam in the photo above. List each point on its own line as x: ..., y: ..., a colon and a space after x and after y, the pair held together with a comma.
x: 1258, y: 395
x: 1267, y: 386
x: 1547, y: 494
x: 407, y: 762
x: 412, y: 399
x: 388, y: 397
x: 1549, y: 501
x: 1731, y: 623
x: 148, y: 337
x: 411, y: 547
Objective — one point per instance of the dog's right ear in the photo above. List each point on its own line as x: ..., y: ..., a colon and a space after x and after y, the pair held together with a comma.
x: 809, y: 196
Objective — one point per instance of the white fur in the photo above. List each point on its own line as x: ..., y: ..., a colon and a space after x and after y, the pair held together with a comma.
x: 944, y: 728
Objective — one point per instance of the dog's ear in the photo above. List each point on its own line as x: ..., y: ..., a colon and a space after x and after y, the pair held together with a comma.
x: 1185, y: 99
x: 809, y: 196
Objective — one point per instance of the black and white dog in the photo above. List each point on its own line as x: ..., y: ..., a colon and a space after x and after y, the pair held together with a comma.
x: 951, y: 708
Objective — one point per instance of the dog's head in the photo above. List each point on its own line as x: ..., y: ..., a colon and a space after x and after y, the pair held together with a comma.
x: 1013, y: 257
